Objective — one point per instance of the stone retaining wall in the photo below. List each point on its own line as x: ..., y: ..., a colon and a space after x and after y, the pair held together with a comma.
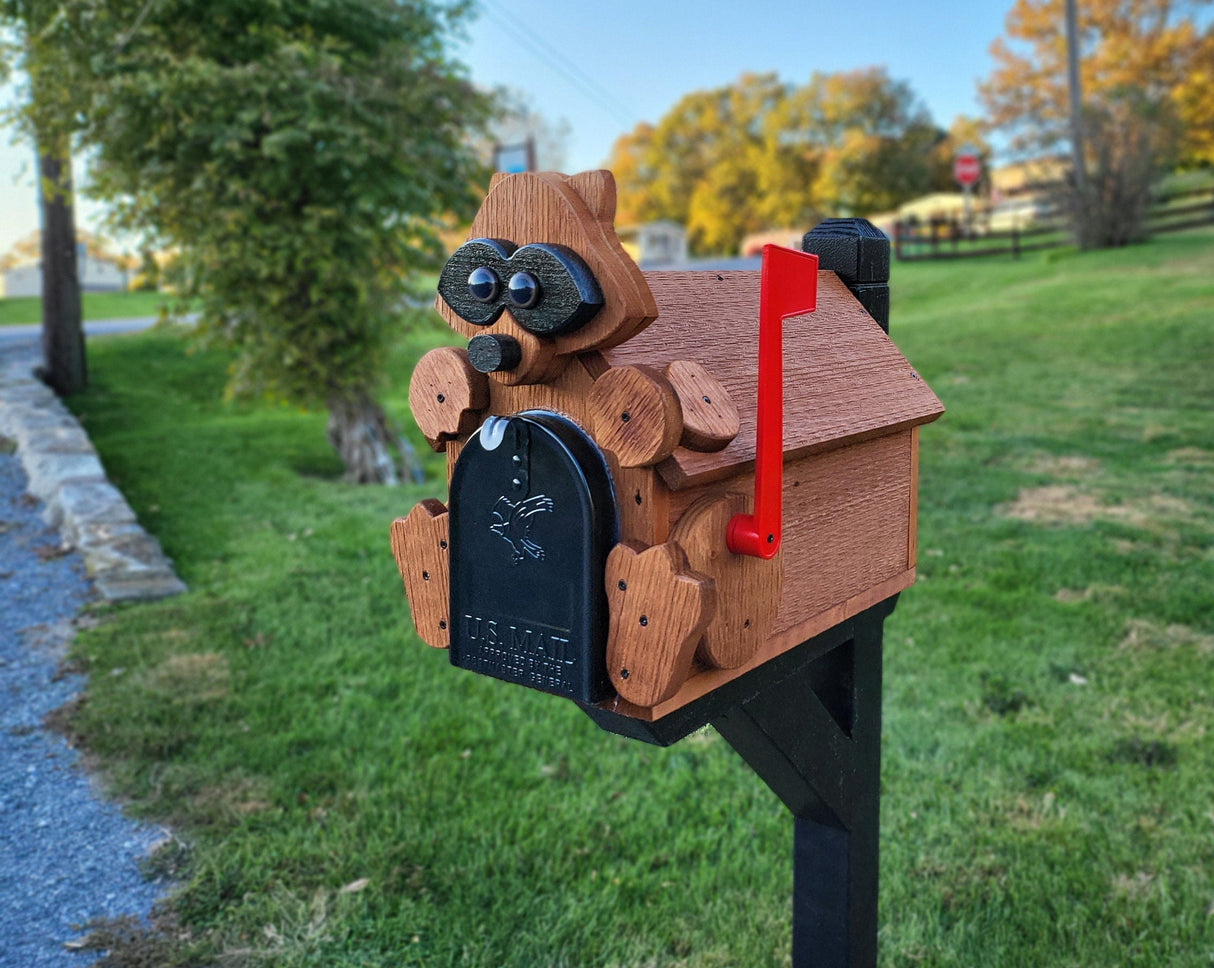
x: 65, y: 473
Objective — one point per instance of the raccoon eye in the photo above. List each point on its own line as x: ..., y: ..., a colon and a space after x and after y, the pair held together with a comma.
x: 484, y: 285
x: 524, y: 290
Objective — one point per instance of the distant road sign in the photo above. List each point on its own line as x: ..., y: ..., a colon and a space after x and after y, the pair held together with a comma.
x: 967, y: 169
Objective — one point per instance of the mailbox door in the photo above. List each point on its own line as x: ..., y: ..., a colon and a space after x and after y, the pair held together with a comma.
x: 533, y: 518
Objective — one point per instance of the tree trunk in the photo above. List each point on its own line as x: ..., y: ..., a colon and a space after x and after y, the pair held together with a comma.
x: 62, y: 329
x: 372, y: 451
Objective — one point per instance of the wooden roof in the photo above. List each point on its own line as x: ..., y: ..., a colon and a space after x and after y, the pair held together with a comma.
x: 844, y: 380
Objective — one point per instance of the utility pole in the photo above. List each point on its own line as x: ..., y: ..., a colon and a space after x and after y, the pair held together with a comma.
x: 1072, y: 75
x: 62, y: 329
x: 65, y: 369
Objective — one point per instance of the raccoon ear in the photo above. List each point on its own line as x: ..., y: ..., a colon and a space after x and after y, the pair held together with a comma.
x: 597, y: 190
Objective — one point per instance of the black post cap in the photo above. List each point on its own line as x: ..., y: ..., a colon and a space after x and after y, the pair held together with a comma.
x: 494, y: 352
x: 853, y: 248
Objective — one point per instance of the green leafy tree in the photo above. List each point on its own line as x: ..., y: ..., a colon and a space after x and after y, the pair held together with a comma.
x: 49, y: 112
x: 300, y: 158
x: 761, y: 154
x: 872, y: 138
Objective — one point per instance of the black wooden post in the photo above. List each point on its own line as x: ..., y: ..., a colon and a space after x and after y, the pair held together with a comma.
x: 809, y: 721
x: 835, y: 849
x: 816, y: 741
x: 858, y: 252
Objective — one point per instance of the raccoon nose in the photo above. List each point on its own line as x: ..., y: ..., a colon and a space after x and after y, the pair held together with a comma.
x: 494, y: 352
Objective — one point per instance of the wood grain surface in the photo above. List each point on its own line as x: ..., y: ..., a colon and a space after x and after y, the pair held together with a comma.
x: 576, y: 212
x: 419, y: 544
x: 446, y: 395
x: 538, y: 361
x: 845, y: 548
x: 658, y: 609
x: 455, y: 447
x: 566, y: 392
x: 845, y: 525
x: 912, y: 537
x: 635, y: 415
x: 710, y: 418
x: 640, y: 493
x: 844, y: 380
x: 748, y: 589
x: 598, y: 190
x: 643, y: 503
x: 702, y: 681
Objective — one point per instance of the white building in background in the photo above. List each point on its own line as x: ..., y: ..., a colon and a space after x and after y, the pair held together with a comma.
x: 101, y: 274
x: 655, y: 244
x: 25, y: 280
x: 96, y: 275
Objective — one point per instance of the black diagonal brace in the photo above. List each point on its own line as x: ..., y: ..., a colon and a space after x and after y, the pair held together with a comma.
x: 792, y: 742
x: 809, y: 723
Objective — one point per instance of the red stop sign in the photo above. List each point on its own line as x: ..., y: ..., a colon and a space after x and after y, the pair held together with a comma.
x: 966, y: 168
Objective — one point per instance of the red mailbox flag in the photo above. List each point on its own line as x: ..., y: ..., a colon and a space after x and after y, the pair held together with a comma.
x: 788, y: 287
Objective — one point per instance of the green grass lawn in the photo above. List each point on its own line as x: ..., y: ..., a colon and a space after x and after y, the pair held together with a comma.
x: 18, y: 310
x: 345, y: 798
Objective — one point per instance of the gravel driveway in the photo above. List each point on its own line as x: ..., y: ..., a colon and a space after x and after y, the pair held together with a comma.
x: 66, y: 856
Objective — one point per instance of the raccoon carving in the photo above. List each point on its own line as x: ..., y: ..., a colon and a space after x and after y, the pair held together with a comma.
x: 600, y: 432
x: 539, y: 290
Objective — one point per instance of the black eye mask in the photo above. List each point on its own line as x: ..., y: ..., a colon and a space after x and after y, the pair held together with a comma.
x: 547, y: 288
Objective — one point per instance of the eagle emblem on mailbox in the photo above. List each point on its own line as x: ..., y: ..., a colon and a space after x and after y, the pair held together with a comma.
x: 513, y: 522
x: 652, y: 489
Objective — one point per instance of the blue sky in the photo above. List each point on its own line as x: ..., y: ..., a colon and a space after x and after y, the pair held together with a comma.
x: 624, y: 62
x: 605, y: 66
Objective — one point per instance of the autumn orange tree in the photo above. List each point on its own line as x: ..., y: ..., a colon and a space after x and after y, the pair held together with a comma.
x: 762, y: 153
x: 701, y: 165
x: 1147, y: 80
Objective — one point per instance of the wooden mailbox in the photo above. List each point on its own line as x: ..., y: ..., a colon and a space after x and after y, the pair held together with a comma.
x: 664, y: 508
x: 601, y: 433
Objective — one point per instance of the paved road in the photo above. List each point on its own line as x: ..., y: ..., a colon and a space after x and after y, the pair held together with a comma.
x: 94, y: 327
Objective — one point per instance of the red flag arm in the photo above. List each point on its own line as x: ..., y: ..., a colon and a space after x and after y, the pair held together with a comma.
x: 788, y: 287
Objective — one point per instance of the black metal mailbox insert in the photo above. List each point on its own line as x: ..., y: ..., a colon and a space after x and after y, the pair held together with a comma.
x: 533, y: 517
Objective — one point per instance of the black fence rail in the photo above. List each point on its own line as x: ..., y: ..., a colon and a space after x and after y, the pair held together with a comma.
x: 943, y: 238
x: 1181, y: 210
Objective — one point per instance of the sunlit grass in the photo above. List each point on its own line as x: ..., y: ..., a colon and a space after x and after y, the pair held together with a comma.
x: 25, y: 310
x: 351, y: 799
